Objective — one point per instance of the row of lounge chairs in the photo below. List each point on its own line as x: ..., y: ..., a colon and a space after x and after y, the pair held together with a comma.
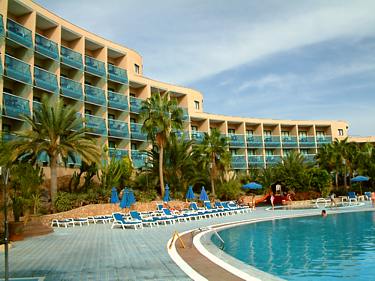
x: 81, y: 221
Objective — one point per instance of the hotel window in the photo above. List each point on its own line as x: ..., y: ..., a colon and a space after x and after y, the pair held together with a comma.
x: 194, y: 128
x: 320, y: 135
x: 233, y: 152
x: 132, y: 95
x: 136, y: 68
x: 302, y: 136
x: 251, y: 152
x: 249, y: 132
x: 267, y: 135
x: 231, y: 131
x: 285, y: 135
x: 196, y: 104
x: 269, y: 152
x: 111, y: 116
x: 132, y: 120
x: 6, y: 128
x: 134, y: 146
x: 111, y: 144
x: 88, y: 111
x: 341, y: 132
x: 287, y: 152
x: 304, y: 151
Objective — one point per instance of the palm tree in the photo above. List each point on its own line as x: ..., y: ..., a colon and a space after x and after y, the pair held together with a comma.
x: 58, y: 131
x: 161, y: 116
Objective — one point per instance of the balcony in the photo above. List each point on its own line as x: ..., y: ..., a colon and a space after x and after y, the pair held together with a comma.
x: 96, y: 125
x: 1, y: 26
x: 46, y: 47
x: 321, y: 140
x: 239, y: 162
x: 71, y: 58
x: 289, y: 141
x: 254, y: 141
x: 273, y: 159
x: 255, y: 161
x: 37, y: 106
x: 118, y: 154
x: 17, y: 70
x: 309, y: 158
x: 118, y: 101
x: 95, y: 95
x: 117, y: 128
x: 6, y: 136
x: 135, y: 105
x: 117, y: 74
x: 95, y: 67
x: 272, y: 141
x: 138, y: 159
x: 79, y: 126
x: 197, y: 136
x: 45, y: 80
x: 136, y: 132
x: 71, y: 89
x: 42, y: 157
x: 182, y: 135
x: 236, y: 140
x: 185, y: 114
x: 15, y: 107
x: 19, y: 34
x: 307, y: 141
x: 74, y: 160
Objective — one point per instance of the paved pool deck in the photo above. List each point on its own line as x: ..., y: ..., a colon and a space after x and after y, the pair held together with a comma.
x: 97, y: 252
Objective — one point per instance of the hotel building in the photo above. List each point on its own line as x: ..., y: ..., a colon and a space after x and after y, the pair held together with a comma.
x: 45, y: 55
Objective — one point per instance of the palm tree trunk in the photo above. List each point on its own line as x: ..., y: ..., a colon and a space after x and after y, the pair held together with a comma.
x: 53, y: 180
x: 213, y: 169
x: 345, y: 183
x: 161, y: 156
x: 337, y: 180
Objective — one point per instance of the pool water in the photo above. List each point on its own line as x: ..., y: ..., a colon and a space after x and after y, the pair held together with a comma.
x: 338, y: 247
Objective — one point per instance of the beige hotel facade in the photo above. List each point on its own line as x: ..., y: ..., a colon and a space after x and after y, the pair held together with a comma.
x: 45, y: 55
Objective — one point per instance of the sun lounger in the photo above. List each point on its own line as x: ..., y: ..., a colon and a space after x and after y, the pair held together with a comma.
x: 100, y: 219
x: 352, y: 197
x: 367, y: 195
x: 119, y: 221
x: 146, y: 221
x: 81, y: 221
x: 200, y: 211
x: 227, y: 210
x: 214, y: 211
x: 62, y: 223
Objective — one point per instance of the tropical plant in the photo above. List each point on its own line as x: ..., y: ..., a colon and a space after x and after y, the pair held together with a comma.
x: 58, y: 131
x: 161, y: 117
x: 115, y: 173
x: 320, y: 180
x: 229, y: 190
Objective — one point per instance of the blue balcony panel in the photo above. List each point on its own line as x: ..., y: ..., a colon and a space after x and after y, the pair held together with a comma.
x: 15, y: 107
x: 71, y: 89
x: 136, y: 132
x: 117, y: 128
x: 256, y: 161
x: 45, y: 80
x: 138, y: 158
x: 1, y: 26
x: 309, y: 158
x: 46, y: 47
x: 17, y: 69
x: 95, y: 95
x: 117, y: 74
x: 254, y: 141
x: 236, y: 140
x: 96, y: 124
x: 272, y: 141
x: 135, y: 105
x: 71, y: 58
x: 74, y: 160
x: 289, y: 141
x: 321, y: 140
x: 307, y: 141
x: 239, y: 162
x: 118, y: 101
x: 94, y: 66
x: 197, y: 136
x: 19, y: 34
x: 273, y: 159
x: 117, y: 153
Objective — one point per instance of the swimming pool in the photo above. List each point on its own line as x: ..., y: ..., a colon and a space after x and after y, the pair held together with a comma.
x: 338, y: 247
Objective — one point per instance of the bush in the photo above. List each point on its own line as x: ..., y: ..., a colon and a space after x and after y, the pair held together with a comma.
x: 64, y: 201
x: 229, y: 190
x: 145, y: 196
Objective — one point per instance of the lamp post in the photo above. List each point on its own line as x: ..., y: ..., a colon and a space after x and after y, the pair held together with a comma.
x: 4, y: 172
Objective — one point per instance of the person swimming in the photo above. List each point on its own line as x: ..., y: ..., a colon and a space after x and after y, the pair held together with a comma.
x: 324, y: 213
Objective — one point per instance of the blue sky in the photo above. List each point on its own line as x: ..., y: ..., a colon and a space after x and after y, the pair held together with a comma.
x: 268, y: 59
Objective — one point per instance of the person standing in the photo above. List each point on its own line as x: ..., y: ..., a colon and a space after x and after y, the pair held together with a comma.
x: 373, y: 199
x: 272, y: 199
x: 333, y: 202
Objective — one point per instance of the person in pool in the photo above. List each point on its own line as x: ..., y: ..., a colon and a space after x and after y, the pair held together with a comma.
x: 324, y: 213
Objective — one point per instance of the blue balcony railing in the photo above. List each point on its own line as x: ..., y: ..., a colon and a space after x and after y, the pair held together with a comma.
x: 255, y: 160
x: 71, y: 89
x: 117, y: 74
x: 254, y: 141
x: 17, y: 69
x: 135, y: 105
x: 95, y: 95
x: 1, y: 26
x: 94, y: 66
x: 307, y: 141
x: 19, y: 34
x: 96, y: 124
x: 136, y: 132
x: 272, y: 141
x: 15, y: 107
x: 74, y: 160
x: 117, y: 128
x: 197, y: 136
x: 80, y: 124
x: 71, y: 58
x: 236, y: 140
x: 289, y: 141
x: 117, y: 153
x: 239, y: 162
x: 46, y: 47
x: 185, y: 114
x: 6, y: 136
x: 273, y: 159
x: 45, y: 80
x: 37, y: 106
x: 43, y: 157
x: 309, y: 158
x: 182, y: 135
x: 321, y: 140
x: 118, y: 101
x: 138, y: 158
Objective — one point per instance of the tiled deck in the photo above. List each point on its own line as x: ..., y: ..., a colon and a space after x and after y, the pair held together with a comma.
x: 97, y: 252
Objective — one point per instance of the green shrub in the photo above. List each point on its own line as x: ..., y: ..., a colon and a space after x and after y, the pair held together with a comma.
x: 229, y: 190
x: 146, y: 196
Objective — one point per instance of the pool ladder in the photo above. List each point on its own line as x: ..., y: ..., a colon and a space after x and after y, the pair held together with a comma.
x: 217, y: 235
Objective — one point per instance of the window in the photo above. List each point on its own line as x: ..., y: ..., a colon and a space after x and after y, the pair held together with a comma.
x: 320, y: 135
x: 136, y: 68
x: 132, y: 95
x: 111, y: 116
x: 6, y: 128
x: 269, y: 152
x: 194, y: 128
x: 134, y: 146
x: 285, y: 135
x: 111, y: 144
x: 249, y: 132
x: 37, y: 99
x: 287, y: 152
x: 251, y: 152
x: 304, y: 151
x: 302, y: 136
x: 231, y: 131
x: 196, y: 104
x: 88, y: 111
x: 341, y: 132
x: 132, y: 120
x: 233, y: 152
x: 267, y: 135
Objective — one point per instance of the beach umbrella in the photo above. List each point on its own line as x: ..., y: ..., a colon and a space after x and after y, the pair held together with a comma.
x: 131, y: 198
x: 203, y: 196
x: 252, y: 185
x: 190, y: 193
x: 166, y: 197
x: 114, y: 195
x: 360, y: 179
x: 125, y: 199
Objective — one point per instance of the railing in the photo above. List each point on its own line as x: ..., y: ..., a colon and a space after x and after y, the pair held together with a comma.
x: 74, y: 161
x: 307, y: 141
x: 79, y: 125
x: 289, y: 141
x: 17, y: 69
x: 118, y: 101
x: 1, y: 26
x: 15, y: 107
x: 71, y: 58
x: 272, y: 141
x: 135, y: 105
x: 197, y: 136
x: 42, y: 157
x: 255, y: 160
x: 117, y: 74
x: 70, y: 88
x: 96, y: 124
x: 273, y: 159
x: 45, y: 80
x: 117, y: 153
x: 19, y: 33
x: 37, y: 106
x: 94, y: 95
x: 309, y: 157
x: 321, y: 140
x: 136, y: 132
x: 182, y: 135
x: 185, y: 114
x: 138, y: 158
x: 94, y: 66
x: 46, y: 47
x: 254, y: 141
x: 236, y: 140
x: 8, y: 136
x: 239, y: 162
x: 117, y: 128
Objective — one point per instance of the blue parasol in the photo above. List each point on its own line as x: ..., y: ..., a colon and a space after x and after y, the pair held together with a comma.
x: 252, y: 185
x: 203, y: 196
x: 359, y: 179
x: 114, y: 195
x: 125, y: 199
x: 131, y: 198
x: 190, y: 193
x: 166, y: 197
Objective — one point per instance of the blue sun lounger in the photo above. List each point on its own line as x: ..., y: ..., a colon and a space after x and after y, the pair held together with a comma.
x: 119, y: 221
x: 202, y: 212
x: 213, y: 211
x: 62, y: 223
x: 149, y: 221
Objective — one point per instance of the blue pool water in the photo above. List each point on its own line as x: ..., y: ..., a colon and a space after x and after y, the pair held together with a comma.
x: 338, y: 247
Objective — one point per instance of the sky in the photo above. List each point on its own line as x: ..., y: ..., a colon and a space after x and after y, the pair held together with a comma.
x: 262, y: 58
